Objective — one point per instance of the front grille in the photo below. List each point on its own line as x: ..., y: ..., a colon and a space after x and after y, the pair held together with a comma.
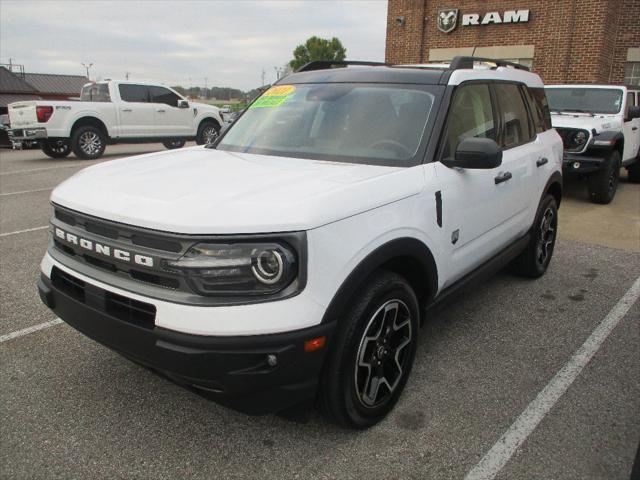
x: 123, y: 308
x: 130, y: 238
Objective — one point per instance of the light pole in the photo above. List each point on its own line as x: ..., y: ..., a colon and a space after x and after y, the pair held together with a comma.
x: 87, y: 67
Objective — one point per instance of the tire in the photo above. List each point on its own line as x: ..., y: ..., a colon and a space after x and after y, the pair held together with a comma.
x: 534, y: 260
x: 173, y: 144
x: 633, y: 171
x: 602, y: 185
x: 88, y: 142
x: 207, y: 132
x: 348, y: 394
x: 56, y: 148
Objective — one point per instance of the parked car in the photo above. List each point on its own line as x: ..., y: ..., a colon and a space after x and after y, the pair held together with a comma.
x: 113, y: 112
x: 4, y: 128
x: 600, y: 128
x: 226, y: 109
x: 295, y: 259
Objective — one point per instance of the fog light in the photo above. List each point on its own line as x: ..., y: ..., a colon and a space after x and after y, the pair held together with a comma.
x: 272, y: 360
x: 576, y: 165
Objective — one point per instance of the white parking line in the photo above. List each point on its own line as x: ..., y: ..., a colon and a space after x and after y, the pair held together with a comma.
x: 23, y: 231
x: 83, y: 164
x: 526, y: 423
x: 26, y: 191
x: 27, y: 331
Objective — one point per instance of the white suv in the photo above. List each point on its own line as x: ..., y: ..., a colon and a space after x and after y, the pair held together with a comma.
x: 295, y: 259
x: 600, y: 128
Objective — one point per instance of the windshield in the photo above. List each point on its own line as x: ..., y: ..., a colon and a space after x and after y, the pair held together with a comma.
x: 97, y: 92
x: 588, y: 100
x: 356, y: 123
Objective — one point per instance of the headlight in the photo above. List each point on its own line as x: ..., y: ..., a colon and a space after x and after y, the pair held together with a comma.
x: 238, y: 268
x: 577, y: 139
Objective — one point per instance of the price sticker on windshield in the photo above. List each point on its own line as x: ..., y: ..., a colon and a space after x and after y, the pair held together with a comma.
x: 274, y: 97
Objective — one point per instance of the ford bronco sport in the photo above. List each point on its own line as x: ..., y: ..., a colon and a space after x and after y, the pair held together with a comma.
x: 294, y: 259
x: 600, y: 128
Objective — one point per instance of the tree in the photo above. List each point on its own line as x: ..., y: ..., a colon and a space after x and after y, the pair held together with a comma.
x: 316, y: 48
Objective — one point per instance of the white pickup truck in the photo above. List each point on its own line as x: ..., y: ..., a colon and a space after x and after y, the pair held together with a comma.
x: 113, y: 112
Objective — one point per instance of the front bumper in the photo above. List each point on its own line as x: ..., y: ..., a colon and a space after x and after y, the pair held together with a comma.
x: 573, y: 164
x: 19, y: 135
x: 234, y: 371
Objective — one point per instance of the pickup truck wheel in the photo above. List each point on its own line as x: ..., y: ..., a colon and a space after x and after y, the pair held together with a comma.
x: 88, y: 142
x: 207, y: 133
x: 534, y: 260
x: 56, y: 148
x: 371, y: 353
x: 602, y: 185
x: 633, y: 171
x: 172, y: 144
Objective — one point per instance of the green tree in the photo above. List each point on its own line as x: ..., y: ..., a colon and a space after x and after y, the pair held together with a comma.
x: 316, y: 48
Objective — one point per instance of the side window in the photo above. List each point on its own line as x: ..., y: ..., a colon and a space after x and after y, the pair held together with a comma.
x: 540, y: 109
x: 134, y: 93
x: 163, y: 95
x: 516, y: 129
x: 470, y: 115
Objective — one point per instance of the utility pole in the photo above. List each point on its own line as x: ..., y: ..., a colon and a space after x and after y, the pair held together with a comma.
x: 263, y: 75
x: 87, y: 67
x: 126, y: 75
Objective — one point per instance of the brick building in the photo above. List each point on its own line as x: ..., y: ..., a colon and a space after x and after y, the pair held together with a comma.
x: 565, y: 41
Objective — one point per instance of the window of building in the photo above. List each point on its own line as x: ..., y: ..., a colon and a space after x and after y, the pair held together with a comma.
x: 163, y: 95
x: 632, y: 73
x: 134, y: 93
x: 515, y: 118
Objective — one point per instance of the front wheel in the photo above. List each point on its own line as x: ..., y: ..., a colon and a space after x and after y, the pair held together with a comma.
x: 207, y: 133
x: 88, y: 142
x: 56, y: 148
x: 534, y: 260
x: 603, y: 184
x: 173, y: 144
x: 372, y: 353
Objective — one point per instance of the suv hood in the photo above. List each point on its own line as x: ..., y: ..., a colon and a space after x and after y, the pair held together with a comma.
x: 586, y: 122
x: 206, y: 191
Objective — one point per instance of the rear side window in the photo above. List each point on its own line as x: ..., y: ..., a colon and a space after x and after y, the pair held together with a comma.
x: 134, y: 93
x: 470, y: 115
x: 540, y: 110
x: 95, y: 92
x: 516, y: 127
x: 163, y: 95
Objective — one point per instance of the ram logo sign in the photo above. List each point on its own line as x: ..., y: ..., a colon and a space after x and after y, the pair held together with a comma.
x: 448, y: 18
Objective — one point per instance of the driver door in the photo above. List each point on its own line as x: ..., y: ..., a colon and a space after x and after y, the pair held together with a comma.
x: 169, y: 119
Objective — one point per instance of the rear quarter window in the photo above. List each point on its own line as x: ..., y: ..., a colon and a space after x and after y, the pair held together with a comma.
x: 541, y: 114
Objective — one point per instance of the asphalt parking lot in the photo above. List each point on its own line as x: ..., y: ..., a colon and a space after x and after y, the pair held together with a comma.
x: 70, y: 408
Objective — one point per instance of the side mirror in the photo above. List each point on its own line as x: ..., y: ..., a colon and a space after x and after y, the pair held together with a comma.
x: 476, y: 153
x: 183, y: 104
x: 633, y: 112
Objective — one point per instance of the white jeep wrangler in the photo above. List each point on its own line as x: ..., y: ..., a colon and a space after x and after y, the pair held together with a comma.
x: 600, y: 128
x: 295, y: 259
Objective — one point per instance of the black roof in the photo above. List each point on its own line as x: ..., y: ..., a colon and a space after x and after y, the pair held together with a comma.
x: 56, y: 84
x: 369, y: 74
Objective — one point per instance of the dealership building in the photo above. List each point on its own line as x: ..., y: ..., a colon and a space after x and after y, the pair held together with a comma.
x: 565, y: 41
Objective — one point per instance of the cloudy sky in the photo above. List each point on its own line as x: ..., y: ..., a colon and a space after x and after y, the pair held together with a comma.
x: 182, y: 42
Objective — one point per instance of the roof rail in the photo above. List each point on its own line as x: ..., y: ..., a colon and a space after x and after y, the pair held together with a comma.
x: 325, y: 64
x: 459, y: 63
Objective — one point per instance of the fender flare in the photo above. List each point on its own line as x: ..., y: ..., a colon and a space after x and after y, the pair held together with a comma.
x: 422, y: 260
x: 613, y: 139
x: 553, y: 186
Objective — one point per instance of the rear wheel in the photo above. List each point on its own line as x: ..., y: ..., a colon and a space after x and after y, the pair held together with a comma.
x: 172, y: 144
x: 207, y: 132
x: 534, y: 260
x: 372, y: 353
x: 603, y: 184
x: 88, y: 142
x: 56, y: 148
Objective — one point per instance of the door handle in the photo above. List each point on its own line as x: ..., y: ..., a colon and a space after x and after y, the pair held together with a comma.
x: 161, y: 111
x: 125, y: 110
x: 542, y: 161
x: 634, y: 128
x: 503, y: 177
